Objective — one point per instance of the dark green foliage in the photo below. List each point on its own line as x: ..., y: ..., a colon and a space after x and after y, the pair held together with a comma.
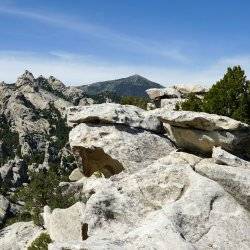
x: 104, y: 96
x: 193, y: 103
x: 35, y: 157
x: 23, y: 216
x: 43, y: 190
x: 10, y: 141
x: 58, y: 124
x: 229, y: 97
x: 134, y: 100
x: 41, y: 242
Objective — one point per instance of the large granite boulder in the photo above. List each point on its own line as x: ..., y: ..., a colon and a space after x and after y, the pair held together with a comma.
x: 18, y: 236
x: 157, y: 93
x: 199, y: 120
x: 112, y: 113
x: 113, y: 148
x: 199, y: 132
x: 162, y: 207
x: 191, y: 89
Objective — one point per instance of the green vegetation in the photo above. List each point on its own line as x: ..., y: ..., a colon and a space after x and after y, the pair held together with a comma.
x: 104, y: 96
x: 140, y: 102
x: 10, y: 141
x: 230, y: 97
x: 42, y: 190
x: 193, y: 103
x: 41, y: 242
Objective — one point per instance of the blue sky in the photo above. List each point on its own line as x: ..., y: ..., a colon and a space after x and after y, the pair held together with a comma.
x: 181, y: 41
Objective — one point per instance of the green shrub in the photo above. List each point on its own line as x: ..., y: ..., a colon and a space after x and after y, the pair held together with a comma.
x: 193, y: 103
x: 41, y: 242
x: 43, y: 190
x: 103, y: 96
x: 230, y: 97
x: 23, y: 216
x: 10, y: 141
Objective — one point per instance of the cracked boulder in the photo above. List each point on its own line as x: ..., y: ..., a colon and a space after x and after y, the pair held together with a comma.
x: 162, y: 207
x: 113, y: 148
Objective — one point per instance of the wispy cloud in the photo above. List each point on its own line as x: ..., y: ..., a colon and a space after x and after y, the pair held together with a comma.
x: 112, y: 37
x: 74, y: 69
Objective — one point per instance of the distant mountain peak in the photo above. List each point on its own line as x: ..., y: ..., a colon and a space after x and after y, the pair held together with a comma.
x: 134, y: 85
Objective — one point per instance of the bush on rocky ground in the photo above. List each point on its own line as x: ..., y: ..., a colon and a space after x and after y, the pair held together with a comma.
x: 41, y: 242
x: 230, y: 97
x: 42, y: 190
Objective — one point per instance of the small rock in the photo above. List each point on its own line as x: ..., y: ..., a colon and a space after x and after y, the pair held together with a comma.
x: 76, y: 175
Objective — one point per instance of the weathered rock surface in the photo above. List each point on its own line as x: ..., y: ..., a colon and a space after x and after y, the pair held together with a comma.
x: 32, y: 125
x: 236, y: 181
x: 4, y: 207
x: 170, y: 104
x: 158, y: 93
x: 13, y: 173
x: 65, y: 224
x: 156, y: 196
x: 76, y: 175
x: 18, y: 235
x: 199, y: 120
x: 168, y: 97
x: 112, y: 113
x: 199, y: 132
x: 113, y: 148
x: 223, y: 157
x: 201, y: 141
x: 161, y: 207
x: 176, y: 157
x: 190, y: 89
x: 177, y: 91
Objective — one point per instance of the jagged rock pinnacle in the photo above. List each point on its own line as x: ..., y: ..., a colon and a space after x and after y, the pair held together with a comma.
x: 26, y: 78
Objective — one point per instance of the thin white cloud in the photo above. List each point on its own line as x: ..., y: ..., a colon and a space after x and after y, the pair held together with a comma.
x: 75, y: 70
x: 114, y: 38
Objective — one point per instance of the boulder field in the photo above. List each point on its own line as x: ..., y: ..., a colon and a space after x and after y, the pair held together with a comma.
x: 152, y: 180
x: 160, y: 192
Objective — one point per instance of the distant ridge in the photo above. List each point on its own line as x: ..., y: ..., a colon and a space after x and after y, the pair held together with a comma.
x: 134, y: 85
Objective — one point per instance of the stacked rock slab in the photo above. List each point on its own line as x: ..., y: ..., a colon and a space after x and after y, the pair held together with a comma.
x: 113, y: 137
x: 169, y: 97
x: 199, y: 132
